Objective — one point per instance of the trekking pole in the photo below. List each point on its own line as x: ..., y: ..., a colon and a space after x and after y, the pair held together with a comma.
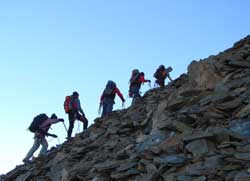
x: 65, y: 127
x: 58, y: 140
x: 149, y: 84
x: 78, y: 129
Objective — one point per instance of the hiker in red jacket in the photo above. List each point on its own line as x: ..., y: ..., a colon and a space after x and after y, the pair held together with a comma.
x: 136, y: 80
x: 108, y: 97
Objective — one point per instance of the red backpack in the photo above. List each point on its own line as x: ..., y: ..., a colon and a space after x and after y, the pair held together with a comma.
x: 67, y: 104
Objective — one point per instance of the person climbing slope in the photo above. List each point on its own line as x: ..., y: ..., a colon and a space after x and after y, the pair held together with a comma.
x: 40, y: 126
x: 108, y: 97
x: 136, y: 80
x: 161, y: 74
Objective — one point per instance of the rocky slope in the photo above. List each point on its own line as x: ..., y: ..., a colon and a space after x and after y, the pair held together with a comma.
x: 196, y: 128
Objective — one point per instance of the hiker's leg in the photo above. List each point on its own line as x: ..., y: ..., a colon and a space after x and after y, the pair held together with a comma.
x: 71, y: 123
x: 104, y: 109
x: 137, y: 92
x: 84, y: 120
x: 161, y: 82
x: 33, y: 149
x: 85, y: 124
x: 109, y: 107
x: 44, y: 144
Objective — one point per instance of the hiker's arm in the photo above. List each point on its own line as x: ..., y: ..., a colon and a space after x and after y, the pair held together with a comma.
x: 49, y: 122
x: 117, y: 91
x: 142, y: 79
x: 79, y: 107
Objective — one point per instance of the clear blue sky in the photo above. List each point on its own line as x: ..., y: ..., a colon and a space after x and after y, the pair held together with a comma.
x: 50, y: 48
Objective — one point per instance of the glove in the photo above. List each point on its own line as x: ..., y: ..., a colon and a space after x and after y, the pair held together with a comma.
x: 149, y: 81
x: 62, y: 120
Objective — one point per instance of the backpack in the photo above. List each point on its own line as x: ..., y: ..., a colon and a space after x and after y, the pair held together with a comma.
x: 37, y: 121
x: 162, y: 72
x: 67, y: 104
x: 110, y: 87
x: 157, y: 74
x: 135, y: 76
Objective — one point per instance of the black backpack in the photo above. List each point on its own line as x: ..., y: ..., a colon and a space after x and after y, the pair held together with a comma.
x: 157, y: 74
x: 110, y: 88
x: 37, y: 121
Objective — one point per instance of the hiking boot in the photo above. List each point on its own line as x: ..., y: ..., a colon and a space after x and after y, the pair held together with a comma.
x: 27, y: 161
x: 68, y: 138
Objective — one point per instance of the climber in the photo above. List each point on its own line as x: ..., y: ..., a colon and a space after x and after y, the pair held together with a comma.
x: 108, y: 97
x: 74, y: 107
x: 136, y: 79
x: 40, y: 126
x: 161, y: 74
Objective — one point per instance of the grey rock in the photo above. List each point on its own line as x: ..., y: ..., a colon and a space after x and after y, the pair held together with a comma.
x: 239, y: 63
x: 109, y: 165
x: 171, y: 160
x: 242, y: 176
x: 191, y: 178
x: 195, y: 136
x: 203, y: 75
x: 200, y: 147
x: 242, y: 156
x: 241, y: 127
x: 155, y: 139
x: 244, y: 112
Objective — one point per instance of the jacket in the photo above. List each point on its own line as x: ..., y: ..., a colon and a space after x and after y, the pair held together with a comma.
x: 112, y: 98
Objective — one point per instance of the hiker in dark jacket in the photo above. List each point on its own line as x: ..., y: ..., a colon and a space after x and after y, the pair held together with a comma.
x: 136, y: 80
x: 39, y: 137
x: 108, y: 97
x: 74, y: 113
x: 161, y: 74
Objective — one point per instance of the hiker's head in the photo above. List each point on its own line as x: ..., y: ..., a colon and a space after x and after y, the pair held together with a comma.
x: 53, y: 116
x: 142, y: 74
x: 75, y: 94
x: 161, y: 67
